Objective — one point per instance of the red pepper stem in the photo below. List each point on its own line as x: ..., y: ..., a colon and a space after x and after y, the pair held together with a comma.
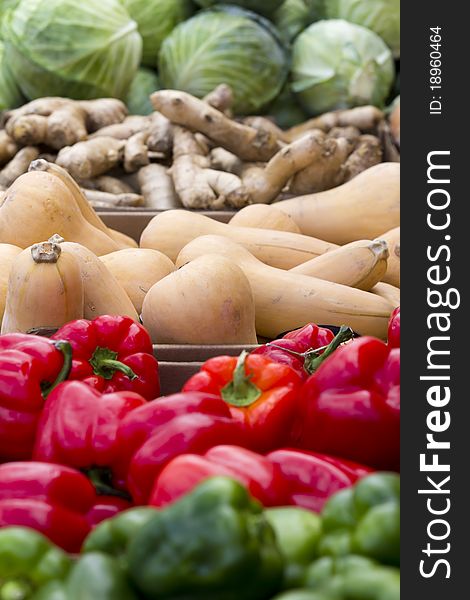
x: 66, y: 350
x: 104, y: 364
x: 241, y: 391
x: 313, y: 358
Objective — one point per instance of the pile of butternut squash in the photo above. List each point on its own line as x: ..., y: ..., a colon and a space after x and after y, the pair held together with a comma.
x: 331, y: 258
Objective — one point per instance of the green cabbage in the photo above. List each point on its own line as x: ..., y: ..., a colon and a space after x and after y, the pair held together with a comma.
x: 380, y: 16
x: 285, y: 110
x: 229, y: 46
x: 295, y: 15
x: 138, y: 99
x: 156, y: 19
x: 4, y: 6
x: 336, y: 64
x: 81, y: 49
x: 262, y: 7
x: 10, y: 95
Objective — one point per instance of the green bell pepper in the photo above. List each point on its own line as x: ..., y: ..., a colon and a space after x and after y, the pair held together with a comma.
x: 378, y: 534
x: 321, y: 572
x: 379, y: 583
x: 297, y: 533
x: 28, y: 561
x: 348, y: 578
x: 112, y: 536
x: 95, y: 576
x: 364, y: 519
x: 213, y: 544
x: 305, y: 595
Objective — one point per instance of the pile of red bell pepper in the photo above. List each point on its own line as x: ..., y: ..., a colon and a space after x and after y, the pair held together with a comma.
x: 82, y: 411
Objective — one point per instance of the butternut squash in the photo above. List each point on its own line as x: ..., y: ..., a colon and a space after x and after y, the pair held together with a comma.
x: 208, y: 301
x: 171, y: 230
x: 392, y: 275
x: 45, y: 289
x: 123, y: 239
x: 264, y: 216
x: 38, y: 205
x: 8, y: 252
x: 136, y: 270
x: 359, y: 264
x: 102, y: 293
x: 387, y: 291
x: 285, y: 300
x: 361, y: 209
x: 84, y: 206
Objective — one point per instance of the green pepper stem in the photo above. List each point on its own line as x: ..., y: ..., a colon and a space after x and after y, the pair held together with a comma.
x: 240, y: 391
x: 116, y: 365
x: 66, y: 350
x: 101, y: 478
x: 313, y: 358
x: 104, y: 364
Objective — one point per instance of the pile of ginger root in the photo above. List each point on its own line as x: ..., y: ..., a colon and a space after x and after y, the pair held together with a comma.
x: 191, y: 152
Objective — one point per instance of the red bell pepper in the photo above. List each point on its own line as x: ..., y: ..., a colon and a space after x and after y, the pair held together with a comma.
x: 261, y: 394
x: 311, y: 478
x: 156, y: 433
x: 293, y: 349
x: 106, y: 507
x: 394, y: 329
x: 52, y: 499
x: 260, y: 476
x: 78, y: 428
x: 350, y: 407
x: 112, y: 354
x: 30, y: 367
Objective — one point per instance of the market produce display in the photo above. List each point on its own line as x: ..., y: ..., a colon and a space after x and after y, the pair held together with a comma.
x: 201, y: 398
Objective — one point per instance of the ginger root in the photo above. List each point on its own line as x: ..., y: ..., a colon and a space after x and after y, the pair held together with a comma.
x: 17, y: 166
x: 395, y: 124
x: 325, y: 172
x: 390, y: 151
x: 136, y: 153
x: 66, y: 126
x: 103, y: 112
x: 196, y: 115
x: 60, y: 122
x: 223, y: 160
x: 106, y: 183
x: 91, y: 158
x: 367, y: 153
x: 157, y: 187
x: 27, y: 129
x: 265, y: 124
x: 351, y: 134
x: 125, y: 129
x: 221, y: 98
x: 365, y: 118
x: 199, y: 186
x: 8, y: 147
x: 100, y: 199
x: 264, y: 184
x: 41, y: 106
x: 160, y: 134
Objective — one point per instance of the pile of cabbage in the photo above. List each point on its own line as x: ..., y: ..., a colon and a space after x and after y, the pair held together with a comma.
x: 290, y: 58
